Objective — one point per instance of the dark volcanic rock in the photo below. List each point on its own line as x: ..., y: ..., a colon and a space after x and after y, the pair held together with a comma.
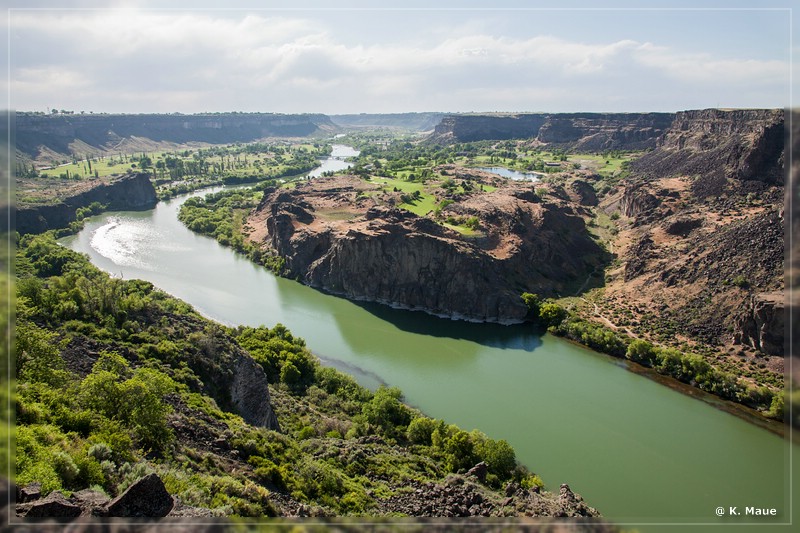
x: 467, y: 128
x: 761, y: 325
x: 683, y: 226
x: 391, y: 256
x: 479, y: 471
x: 147, y: 497
x: 585, y: 192
x: 579, y: 131
x: 250, y: 393
x: 91, y: 502
x: 30, y: 492
x: 55, y: 505
x: 637, y: 201
x: 714, y: 144
x: 128, y: 192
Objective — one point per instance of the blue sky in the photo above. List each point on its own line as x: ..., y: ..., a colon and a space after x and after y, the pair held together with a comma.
x: 128, y: 56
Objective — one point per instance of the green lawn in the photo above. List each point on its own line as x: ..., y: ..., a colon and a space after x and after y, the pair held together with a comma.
x: 103, y: 168
x: 420, y: 207
x: 463, y: 230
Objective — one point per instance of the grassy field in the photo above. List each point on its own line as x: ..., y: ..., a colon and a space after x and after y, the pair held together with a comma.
x: 424, y: 205
x: 222, y: 161
x: 103, y: 166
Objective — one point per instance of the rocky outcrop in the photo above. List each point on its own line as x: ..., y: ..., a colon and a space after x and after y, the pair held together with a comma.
x: 583, y: 192
x: 461, y: 497
x: 55, y: 505
x: 104, y: 132
x: 250, y: 393
x: 397, y: 262
x: 395, y: 257
x: 637, y: 201
x: 761, y: 325
x: 467, y: 128
x: 146, y: 497
x: 714, y: 144
x: 578, y: 131
x: 127, y: 192
x: 596, y: 132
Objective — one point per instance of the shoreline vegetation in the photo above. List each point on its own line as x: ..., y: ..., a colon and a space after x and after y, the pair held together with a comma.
x: 88, y: 344
x: 220, y: 215
x: 124, y: 346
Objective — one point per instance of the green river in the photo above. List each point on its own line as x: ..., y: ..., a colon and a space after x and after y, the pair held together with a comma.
x: 636, y: 450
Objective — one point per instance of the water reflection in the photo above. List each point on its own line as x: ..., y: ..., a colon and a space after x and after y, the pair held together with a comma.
x: 512, y: 337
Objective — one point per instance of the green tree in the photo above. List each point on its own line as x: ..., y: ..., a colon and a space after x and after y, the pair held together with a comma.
x: 641, y: 351
x: 38, y: 353
x: 386, y: 411
x: 499, y: 457
x: 459, y: 452
x: 551, y: 314
x: 532, y: 301
x: 420, y: 430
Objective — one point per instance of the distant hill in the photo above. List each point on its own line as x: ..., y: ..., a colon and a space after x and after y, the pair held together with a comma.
x: 48, y: 137
x: 406, y: 121
x: 574, y: 131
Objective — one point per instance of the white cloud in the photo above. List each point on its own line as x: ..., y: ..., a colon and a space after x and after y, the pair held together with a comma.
x: 134, y: 60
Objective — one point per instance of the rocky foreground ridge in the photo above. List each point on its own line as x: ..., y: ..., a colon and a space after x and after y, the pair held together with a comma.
x: 346, y: 236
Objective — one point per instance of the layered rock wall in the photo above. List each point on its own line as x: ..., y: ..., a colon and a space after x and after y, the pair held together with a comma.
x: 715, y: 144
x: 104, y: 132
x: 127, y: 192
x: 579, y: 131
x: 395, y: 257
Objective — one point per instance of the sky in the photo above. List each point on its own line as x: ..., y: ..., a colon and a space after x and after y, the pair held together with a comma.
x: 130, y: 56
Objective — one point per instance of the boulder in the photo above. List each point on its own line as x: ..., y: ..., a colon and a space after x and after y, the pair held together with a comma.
x: 146, y: 497
x: 29, y: 493
x: 761, y: 325
x: 479, y: 471
x: 55, y: 505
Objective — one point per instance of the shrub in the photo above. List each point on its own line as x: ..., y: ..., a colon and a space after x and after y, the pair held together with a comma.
x: 499, y: 457
x: 459, y: 452
x: 532, y: 301
x: 386, y: 411
x: 420, y: 430
x: 551, y: 314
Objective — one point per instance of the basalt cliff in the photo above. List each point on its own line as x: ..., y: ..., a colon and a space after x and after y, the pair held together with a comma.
x: 131, y: 192
x: 574, y: 131
x: 344, y: 235
x: 43, y: 137
x: 702, y: 233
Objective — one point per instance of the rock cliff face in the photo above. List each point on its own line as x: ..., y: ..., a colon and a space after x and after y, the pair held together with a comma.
x: 579, y: 131
x: 127, y: 192
x: 250, y: 393
x: 467, y: 128
x: 704, y: 230
x: 605, y: 131
x: 761, y: 325
x: 104, y: 132
x: 392, y: 256
x: 405, y: 121
x: 745, y: 144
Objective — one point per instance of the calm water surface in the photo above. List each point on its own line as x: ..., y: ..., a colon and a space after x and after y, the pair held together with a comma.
x: 513, y: 174
x: 636, y: 450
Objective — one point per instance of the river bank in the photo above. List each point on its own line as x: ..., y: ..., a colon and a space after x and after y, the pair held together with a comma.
x: 477, y: 376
